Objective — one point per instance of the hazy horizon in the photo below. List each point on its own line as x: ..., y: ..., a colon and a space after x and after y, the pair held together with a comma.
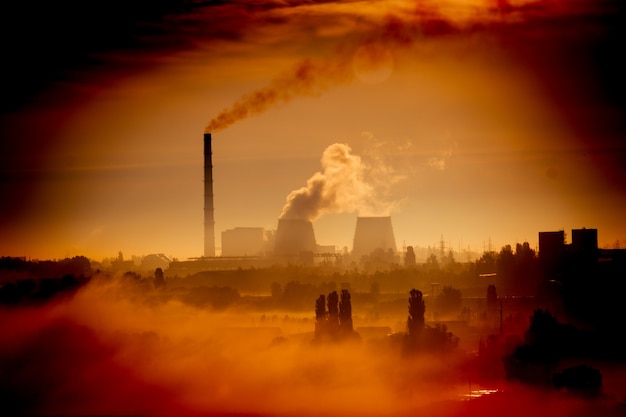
x: 476, y: 122
x: 118, y: 345
x: 471, y: 124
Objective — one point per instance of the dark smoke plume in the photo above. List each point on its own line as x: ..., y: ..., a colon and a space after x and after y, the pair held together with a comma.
x: 404, y: 29
x: 307, y: 78
x: 312, y: 78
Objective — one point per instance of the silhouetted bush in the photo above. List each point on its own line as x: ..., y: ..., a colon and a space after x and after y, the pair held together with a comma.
x: 579, y: 379
x: 31, y: 291
x: 159, y: 278
x: 547, y: 342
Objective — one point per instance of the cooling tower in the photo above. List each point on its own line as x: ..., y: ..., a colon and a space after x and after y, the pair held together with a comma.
x: 373, y: 233
x: 293, y: 237
x: 209, y: 221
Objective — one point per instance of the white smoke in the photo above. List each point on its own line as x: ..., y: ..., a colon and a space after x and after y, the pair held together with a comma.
x: 339, y: 187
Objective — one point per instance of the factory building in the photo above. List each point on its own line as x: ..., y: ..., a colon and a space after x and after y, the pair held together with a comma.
x: 244, y: 241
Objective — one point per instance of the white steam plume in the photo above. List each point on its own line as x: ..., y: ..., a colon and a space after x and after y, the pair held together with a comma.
x: 340, y: 187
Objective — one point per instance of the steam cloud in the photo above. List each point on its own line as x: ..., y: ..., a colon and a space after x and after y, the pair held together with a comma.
x: 340, y: 186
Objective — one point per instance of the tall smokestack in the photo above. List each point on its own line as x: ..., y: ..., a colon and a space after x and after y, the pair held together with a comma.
x: 209, y: 221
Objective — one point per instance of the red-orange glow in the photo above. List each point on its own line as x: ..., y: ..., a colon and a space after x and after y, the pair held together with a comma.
x: 499, y: 118
x: 472, y: 123
x: 111, y: 350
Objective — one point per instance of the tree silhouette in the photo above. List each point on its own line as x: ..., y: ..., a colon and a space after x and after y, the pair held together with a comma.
x: 580, y: 379
x: 492, y: 298
x: 345, y: 313
x: 333, y: 310
x: 159, y: 278
x: 505, y: 262
x: 486, y: 264
x: 415, y: 322
x: 420, y: 337
x: 321, y: 316
x: 449, y: 300
x: 546, y: 342
x: 334, y: 324
x: 320, y: 308
x: 432, y: 262
x: 528, y: 270
x: 544, y: 330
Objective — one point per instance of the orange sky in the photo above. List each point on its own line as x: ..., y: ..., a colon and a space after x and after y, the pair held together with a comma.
x: 475, y: 121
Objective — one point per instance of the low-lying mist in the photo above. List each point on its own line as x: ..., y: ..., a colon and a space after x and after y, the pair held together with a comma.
x: 107, y: 351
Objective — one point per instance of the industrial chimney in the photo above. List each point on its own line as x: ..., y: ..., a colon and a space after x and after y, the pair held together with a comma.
x: 209, y: 221
x: 373, y: 233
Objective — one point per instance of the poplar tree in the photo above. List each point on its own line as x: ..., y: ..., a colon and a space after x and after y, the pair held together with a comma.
x: 345, y: 312
x: 321, y: 316
x: 333, y: 311
x: 415, y: 322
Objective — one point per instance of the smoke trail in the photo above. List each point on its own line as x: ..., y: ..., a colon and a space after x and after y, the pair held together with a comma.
x: 401, y: 29
x: 312, y: 78
x: 339, y: 187
x: 307, y: 78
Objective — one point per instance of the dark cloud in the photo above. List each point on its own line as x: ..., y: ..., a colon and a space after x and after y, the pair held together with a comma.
x: 48, y: 41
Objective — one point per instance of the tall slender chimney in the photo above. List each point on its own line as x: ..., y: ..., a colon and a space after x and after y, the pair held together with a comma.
x: 209, y: 221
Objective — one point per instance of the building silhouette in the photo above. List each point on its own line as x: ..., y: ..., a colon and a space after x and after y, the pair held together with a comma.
x: 244, y: 241
x: 373, y: 233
